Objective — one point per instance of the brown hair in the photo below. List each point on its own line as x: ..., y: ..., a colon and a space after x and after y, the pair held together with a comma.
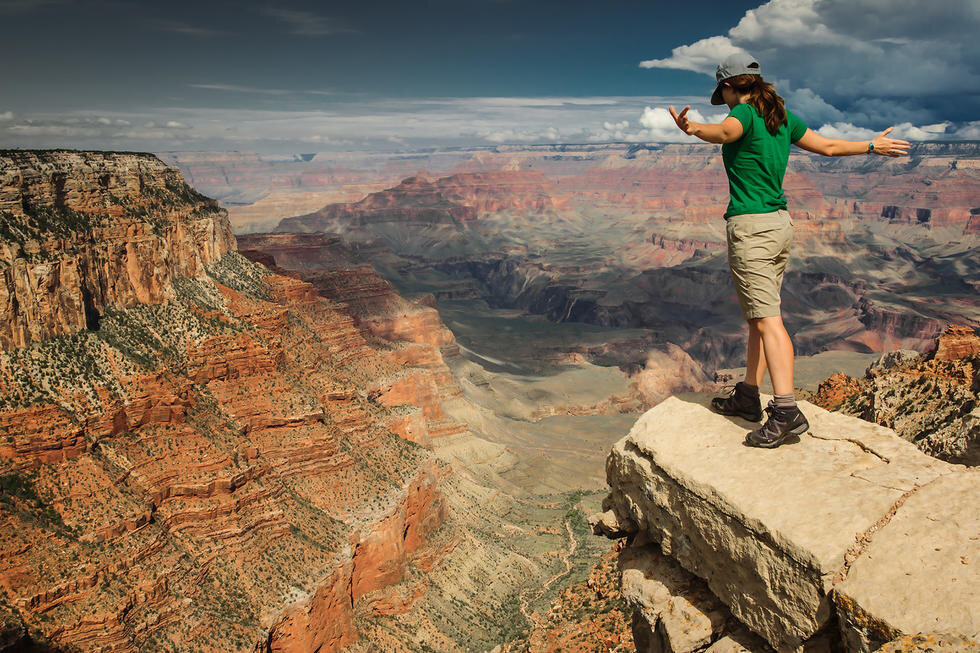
x: 763, y: 97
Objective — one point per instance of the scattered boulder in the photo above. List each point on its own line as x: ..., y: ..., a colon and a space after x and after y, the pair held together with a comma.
x: 956, y: 342
x: 890, y: 361
x: 607, y: 524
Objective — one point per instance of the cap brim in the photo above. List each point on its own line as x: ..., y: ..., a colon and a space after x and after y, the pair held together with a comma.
x: 716, y: 96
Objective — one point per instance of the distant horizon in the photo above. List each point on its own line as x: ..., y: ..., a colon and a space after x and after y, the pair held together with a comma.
x: 429, y: 149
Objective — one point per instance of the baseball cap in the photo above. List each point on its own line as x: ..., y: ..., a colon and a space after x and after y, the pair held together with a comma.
x: 740, y: 63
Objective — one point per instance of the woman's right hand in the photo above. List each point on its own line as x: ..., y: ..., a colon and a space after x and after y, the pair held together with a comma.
x: 890, y: 146
x: 681, y: 119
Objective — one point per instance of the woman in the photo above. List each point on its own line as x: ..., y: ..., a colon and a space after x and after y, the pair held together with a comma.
x: 755, y: 138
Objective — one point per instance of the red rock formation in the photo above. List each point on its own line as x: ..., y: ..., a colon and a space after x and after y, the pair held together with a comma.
x: 457, y: 201
x: 87, y: 231
x: 931, y: 401
x: 835, y: 390
x: 956, y: 342
x: 324, y: 621
x: 212, y: 465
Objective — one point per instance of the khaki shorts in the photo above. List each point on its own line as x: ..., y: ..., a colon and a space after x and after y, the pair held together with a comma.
x: 758, y: 248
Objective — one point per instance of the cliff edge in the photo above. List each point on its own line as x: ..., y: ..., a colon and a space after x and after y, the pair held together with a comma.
x: 845, y: 540
x: 84, y: 231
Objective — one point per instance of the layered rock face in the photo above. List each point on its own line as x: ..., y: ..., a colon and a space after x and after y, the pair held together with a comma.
x: 846, y: 539
x: 221, y: 459
x: 433, y: 217
x: 929, y: 399
x: 258, y: 462
x: 190, y: 470
x: 84, y: 232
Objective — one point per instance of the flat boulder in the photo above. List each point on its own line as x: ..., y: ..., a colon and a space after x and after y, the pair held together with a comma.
x: 921, y: 572
x: 771, y: 531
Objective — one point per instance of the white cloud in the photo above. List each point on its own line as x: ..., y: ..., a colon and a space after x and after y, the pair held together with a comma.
x: 378, y: 123
x: 906, y: 131
x: 910, y: 132
x: 847, y: 131
x: 969, y: 132
x: 886, y: 60
x: 701, y: 56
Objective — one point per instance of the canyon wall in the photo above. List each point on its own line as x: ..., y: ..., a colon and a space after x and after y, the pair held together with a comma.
x: 246, y: 459
x: 84, y: 231
x: 217, y: 455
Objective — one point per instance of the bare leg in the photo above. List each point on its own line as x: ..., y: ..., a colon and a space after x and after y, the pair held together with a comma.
x: 755, y: 358
x: 777, y: 352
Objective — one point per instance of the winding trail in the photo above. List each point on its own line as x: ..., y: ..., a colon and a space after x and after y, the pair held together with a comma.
x: 531, y: 616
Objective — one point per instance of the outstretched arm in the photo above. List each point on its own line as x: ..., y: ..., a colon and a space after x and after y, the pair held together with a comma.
x: 728, y: 130
x: 814, y: 142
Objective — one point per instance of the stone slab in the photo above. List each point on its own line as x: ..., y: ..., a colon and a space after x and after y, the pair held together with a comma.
x: 921, y: 571
x: 768, y: 529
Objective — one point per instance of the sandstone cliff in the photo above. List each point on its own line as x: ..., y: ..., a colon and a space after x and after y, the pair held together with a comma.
x: 83, y: 232
x: 199, y: 459
x: 250, y: 461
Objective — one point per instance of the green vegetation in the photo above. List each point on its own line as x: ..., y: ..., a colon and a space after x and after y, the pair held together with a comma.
x: 39, y: 222
x: 19, y: 496
x: 241, y: 274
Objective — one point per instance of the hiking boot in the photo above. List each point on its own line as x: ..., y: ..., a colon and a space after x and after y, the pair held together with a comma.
x: 782, y: 423
x: 741, y: 402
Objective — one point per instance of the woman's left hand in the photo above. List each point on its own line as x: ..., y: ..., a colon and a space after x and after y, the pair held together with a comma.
x: 890, y: 146
x: 681, y: 119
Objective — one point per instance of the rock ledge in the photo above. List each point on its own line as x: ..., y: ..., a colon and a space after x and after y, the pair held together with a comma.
x: 850, y: 528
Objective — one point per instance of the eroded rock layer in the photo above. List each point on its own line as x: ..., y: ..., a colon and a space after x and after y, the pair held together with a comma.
x: 206, y: 463
x: 193, y: 451
x: 929, y: 399
x: 885, y: 250
x: 86, y: 231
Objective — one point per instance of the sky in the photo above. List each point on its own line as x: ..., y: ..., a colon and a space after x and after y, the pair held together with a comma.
x: 330, y: 76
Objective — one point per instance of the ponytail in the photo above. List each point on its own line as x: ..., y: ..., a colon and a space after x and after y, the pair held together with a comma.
x: 763, y: 97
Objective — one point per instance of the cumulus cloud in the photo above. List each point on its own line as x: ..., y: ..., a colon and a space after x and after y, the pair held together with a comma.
x: 383, y: 124
x: 702, y: 56
x: 846, y: 131
x: 884, y: 59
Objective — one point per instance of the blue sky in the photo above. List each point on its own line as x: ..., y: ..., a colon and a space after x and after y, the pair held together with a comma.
x: 294, y: 76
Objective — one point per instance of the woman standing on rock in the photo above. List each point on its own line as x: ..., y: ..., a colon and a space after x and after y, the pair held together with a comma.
x: 755, y: 138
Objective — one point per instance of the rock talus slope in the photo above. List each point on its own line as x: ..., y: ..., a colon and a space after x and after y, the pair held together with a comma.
x: 841, y: 535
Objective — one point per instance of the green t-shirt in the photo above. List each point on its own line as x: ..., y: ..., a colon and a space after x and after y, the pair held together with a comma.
x: 756, y: 162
